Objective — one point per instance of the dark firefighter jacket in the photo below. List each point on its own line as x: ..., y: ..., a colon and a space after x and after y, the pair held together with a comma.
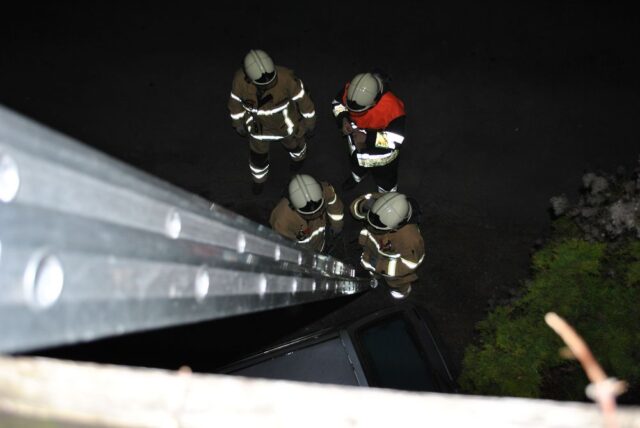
x: 394, y: 254
x: 282, y: 110
x: 309, y: 233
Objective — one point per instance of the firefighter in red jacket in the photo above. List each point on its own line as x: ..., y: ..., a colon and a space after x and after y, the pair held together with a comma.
x: 372, y: 119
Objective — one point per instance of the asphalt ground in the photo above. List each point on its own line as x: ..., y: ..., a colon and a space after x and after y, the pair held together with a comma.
x: 507, y: 105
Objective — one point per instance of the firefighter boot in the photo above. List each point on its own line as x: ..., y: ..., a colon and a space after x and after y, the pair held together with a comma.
x: 257, y: 188
x: 295, y: 166
x: 297, y: 155
x: 349, y: 183
x: 401, y: 292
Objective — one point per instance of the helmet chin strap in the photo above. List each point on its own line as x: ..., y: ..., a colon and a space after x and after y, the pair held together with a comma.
x: 267, y: 85
x: 314, y: 215
x: 371, y: 228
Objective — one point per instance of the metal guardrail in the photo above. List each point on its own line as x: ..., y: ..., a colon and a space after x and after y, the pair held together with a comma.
x: 91, y: 247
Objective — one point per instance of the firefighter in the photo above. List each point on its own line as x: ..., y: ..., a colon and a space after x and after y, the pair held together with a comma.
x: 309, y: 208
x: 392, y: 246
x: 270, y: 103
x: 372, y: 119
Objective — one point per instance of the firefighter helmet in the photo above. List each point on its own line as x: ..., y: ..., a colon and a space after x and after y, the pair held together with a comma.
x: 258, y: 66
x: 305, y: 194
x: 389, y: 211
x: 363, y: 92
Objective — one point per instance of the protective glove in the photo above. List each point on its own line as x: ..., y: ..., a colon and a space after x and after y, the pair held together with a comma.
x: 340, y: 118
x: 359, y: 139
x: 242, y: 131
x: 366, y: 205
x: 363, y: 206
x: 346, y: 127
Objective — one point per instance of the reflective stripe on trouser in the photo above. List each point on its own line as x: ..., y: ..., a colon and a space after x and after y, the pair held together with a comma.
x: 259, y: 166
x: 298, y: 153
x: 385, y: 176
x: 383, y: 190
x: 290, y: 143
x: 259, y: 155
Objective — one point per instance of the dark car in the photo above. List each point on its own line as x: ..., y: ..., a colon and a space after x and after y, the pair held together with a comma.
x: 390, y: 348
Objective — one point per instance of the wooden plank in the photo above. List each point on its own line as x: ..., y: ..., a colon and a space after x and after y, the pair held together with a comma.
x: 64, y: 392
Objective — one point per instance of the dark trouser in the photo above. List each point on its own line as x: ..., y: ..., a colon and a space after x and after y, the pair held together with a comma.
x: 259, y: 155
x: 385, y: 176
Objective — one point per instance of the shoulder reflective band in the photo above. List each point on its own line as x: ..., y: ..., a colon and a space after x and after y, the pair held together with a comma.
x: 309, y: 115
x: 237, y: 116
x: 410, y: 264
x: 299, y: 94
x: 338, y: 108
x: 356, y: 208
x: 336, y: 217
x: 357, y: 213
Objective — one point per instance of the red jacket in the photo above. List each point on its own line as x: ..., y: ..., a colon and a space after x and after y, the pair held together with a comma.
x: 378, y: 117
x: 384, y: 125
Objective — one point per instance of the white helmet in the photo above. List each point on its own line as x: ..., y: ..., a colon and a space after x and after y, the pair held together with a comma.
x: 305, y: 194
x: 389, y: 211
x: 363, y: 92
x: 259, y: 67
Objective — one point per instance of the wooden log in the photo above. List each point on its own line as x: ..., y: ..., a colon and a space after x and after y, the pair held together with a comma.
x: 65, y: 393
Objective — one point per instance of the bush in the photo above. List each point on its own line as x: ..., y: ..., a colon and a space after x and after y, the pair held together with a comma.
x: 595, y: 286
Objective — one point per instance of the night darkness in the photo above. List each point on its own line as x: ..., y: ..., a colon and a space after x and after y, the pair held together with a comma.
x: 507, y: 105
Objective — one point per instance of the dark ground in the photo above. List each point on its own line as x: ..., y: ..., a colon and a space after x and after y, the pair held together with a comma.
x: 508, y: 104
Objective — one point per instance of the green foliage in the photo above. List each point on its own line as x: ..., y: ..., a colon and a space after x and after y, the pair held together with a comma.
x: 596, y: 288
x: 564, y: 228
x: 633, y: 272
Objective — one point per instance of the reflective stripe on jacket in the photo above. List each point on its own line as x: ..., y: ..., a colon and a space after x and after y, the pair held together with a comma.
x: 309, y: 233
x: 396, y: 255
x: 383, y: 124
x: 278, y: 112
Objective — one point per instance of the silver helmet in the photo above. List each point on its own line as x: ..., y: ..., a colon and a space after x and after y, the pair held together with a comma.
x: 363, y: 92
x: 389, y: 211
x: 258, y: 66
x: 305, y: 194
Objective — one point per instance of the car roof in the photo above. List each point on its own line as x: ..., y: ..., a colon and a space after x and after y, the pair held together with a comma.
x: 330, y: 359
x: 332, y: 356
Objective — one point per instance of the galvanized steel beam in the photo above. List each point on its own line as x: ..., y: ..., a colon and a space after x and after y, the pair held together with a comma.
x: 91, y: 247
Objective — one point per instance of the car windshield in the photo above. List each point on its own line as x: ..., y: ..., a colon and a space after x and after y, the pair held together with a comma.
x: 392, y: 357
